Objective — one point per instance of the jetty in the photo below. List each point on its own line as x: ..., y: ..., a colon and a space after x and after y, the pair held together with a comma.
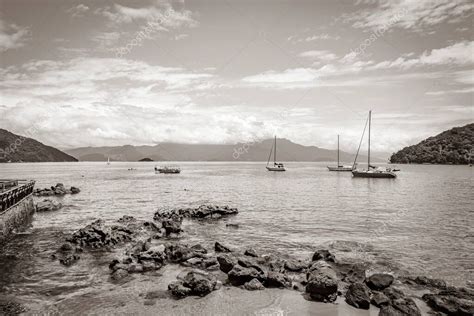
x: 16, y: 204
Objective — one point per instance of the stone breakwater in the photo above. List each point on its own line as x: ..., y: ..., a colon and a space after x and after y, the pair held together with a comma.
x: 58, y: 189
x: 150, y: 245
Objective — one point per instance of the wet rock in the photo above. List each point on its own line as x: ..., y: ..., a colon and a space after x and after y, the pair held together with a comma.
x: 453, y: 301
x: 218, y: 247
x: 247, y: 262
x: 379, y: 281
x: 226, y: 262
x: 393, y: 293
x: 119, y: 274
x: 425, y: 281
x: 9, y: 307
x: 379, y: 299
x: 68, y: 259
x: 321, y: 282
x: 323, y: 254
x: 199, y: 249
x: 201, y: 212
x: 59, y: 189
x: 253, y: 285
x: 172, y: 224
x: 400, y: 307
x: 240, y: 275
x: 351, y: 273
x: 75, y: 190
x: 180, y: 252
x: 98, y: 235
x: 194, y: 283
x: 48, y: 205
x: 251, y: 252
x: 295, y: 265
x: 276, y: 279
x: 232, y: 225
x: 358, y: 296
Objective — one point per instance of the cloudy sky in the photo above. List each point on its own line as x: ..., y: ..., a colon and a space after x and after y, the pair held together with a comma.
x: 80, y: 73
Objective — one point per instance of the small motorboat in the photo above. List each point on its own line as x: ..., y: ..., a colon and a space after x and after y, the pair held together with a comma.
x: 167, y: 169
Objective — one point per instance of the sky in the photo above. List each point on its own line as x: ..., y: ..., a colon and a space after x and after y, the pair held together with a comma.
x: 103, y: 73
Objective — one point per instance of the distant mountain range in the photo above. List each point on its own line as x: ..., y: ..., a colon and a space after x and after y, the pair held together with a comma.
x: 16, y: 148
x: 454, y: 146
x: 257, y: 151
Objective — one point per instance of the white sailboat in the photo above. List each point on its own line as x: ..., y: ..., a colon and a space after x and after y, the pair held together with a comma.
x: 339, y: 166
x: 108, y: 160
x: 371, y: 171
x: 277, y: 166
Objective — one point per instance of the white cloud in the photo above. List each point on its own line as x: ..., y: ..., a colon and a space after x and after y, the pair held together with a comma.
x: 12, y: 36
x: 287, y: 79
x: 455, y: 91
x: 78, y: 11
x: 322, y: 55
x: 409, y: 14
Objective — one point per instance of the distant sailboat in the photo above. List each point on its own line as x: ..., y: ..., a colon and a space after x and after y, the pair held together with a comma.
x: 108, y: 160
x: 372, y: 171
x: 339, y: 166
x: 277, y: 166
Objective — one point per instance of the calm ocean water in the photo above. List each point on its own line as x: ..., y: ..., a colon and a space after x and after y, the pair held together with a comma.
x: 421, y: 223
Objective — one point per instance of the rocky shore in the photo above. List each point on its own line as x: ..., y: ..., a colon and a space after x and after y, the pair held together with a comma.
x: 58, y: 189
x: 148, y: 246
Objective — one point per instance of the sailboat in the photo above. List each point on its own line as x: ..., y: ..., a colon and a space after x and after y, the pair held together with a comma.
x: 277, y: 166
x: 339, y: 166
x: 108, y: 160
x: 372, y: 171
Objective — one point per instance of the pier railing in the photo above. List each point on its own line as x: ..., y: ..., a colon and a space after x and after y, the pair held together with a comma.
x: 13, y: 191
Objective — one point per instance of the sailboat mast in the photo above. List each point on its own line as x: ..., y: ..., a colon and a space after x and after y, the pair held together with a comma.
x: 368, y: 156
x: 275, y: 152
x: 338, y: 150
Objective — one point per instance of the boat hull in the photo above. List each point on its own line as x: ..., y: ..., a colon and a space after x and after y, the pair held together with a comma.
x: 276, y: 169
x: 374, y: 174
x: 339, y: 168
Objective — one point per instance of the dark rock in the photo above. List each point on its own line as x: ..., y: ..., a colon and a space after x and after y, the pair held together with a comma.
x: 48, y: 205
x: 251, y: 252
x: 74, y: 190
x: 247, y: 262
x: 68, y: 259
x: 402, y: 306
x: 98, y: 235
x: 240, y: 275
x: 379, y: 299
x: 201, y: 212
x: 253, y: 285
x: 425, y: 281
x: 322, y: 282
x: 119, y: 274
x: 226, y: 262
x: 179, y: 253
x: 295, y: 266
x: 358, y: 296
x: 218, y: 247
x: 172, y: 224
x: 178, y: 289
x: 453, y: 301
x: 199, y: 249
x: 393, y: 293
x: 379, y: 281
x: 194, y: 283
x: 232, y: 225
x: 276, y: 279
x: 351, y: 273
x: 323, y: 254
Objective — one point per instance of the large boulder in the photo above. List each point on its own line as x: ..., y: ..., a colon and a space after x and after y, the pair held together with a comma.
x: 358, y: 295
x: 452, y: 301
x: 379, y: 281
x: 226, y: 262
x: 181, y: 252
x: 253, y: 285
x: 276, y: 279
x: 98, y: 235
x: 196, y: 282
x: 323, y: 254
x: 251, y: 253
x: 321, y: 282
x: 400, y: 307
x: 48, y: 205
x: 240, y: 275
x: 218, y: 247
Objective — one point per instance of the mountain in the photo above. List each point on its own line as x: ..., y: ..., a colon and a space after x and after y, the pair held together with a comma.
x: 253, y: 151
x: 454, y: 146
x: 16, y: 148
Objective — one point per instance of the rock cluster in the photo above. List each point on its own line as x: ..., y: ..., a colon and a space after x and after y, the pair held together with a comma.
x: 196, y: 282
x: 48, y: 205
x: 201, y: 212
x: 59, y: 189
x: 452, y: 301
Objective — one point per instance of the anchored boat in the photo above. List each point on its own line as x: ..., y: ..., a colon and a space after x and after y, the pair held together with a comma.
x: 167, y: 169
x: 277, y: 166
x: 371, y: 171
x: 339, y: 166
